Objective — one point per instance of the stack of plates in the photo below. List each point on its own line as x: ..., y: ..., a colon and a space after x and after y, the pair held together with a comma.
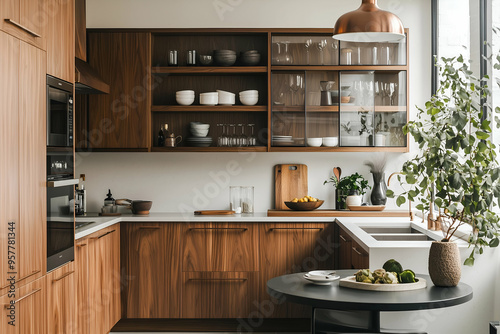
x: 199, y: 141
x: 321, y: 277
x: 282, y: 140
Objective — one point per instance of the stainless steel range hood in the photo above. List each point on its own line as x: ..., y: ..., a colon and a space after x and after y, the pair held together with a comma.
x: 87, y: 80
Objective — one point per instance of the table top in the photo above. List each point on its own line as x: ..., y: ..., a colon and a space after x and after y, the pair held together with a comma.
x: 294, y: 288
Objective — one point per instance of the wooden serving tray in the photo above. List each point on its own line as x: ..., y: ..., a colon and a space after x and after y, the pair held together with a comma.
x: 350, y: 282
x: 335, y: 213
x: 214, y: 212
x: 367, y: 207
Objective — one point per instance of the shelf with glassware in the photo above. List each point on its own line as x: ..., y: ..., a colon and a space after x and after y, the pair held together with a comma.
x: 330, y: 96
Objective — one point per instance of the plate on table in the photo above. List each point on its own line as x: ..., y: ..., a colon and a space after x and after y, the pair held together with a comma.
x: 321, y: 277
x: 350, y: 282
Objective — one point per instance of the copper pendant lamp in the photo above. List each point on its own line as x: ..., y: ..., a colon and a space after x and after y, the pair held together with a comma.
x: 368, y: 23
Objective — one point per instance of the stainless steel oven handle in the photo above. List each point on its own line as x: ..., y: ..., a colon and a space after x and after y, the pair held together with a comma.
x: 62, y: 183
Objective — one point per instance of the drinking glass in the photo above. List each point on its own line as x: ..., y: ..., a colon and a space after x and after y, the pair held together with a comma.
x: 220, y: 138
x: 233, y: 138
x: 277, y: 57
x: 307, y: 45
x: 393, y: 87
x: 335, y: 52
x: 295, y: 82
x: 235, y: 199
x: 252, y: 141
x: 377, y: 91
x: 242, y: 139
x: 287, y: 57
x: 247, y: 199
x: 321, y: 46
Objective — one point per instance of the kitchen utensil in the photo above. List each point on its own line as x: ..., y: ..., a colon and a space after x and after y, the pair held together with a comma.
x: 290, y: 182
x: 337, y: 172
x: 138, y: 207
x: 214, y: 212
x: 171, y: 140
x: 326, y: 98
x: 304, y: 206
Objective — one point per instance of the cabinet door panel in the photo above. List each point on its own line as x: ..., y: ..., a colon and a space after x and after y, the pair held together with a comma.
x: 220, y: 247
x: 61, y: 40
x: 219, y: 294
x: 152, y: 270
x: 345, y: 251
x: 31, y: 308
x: 9, y: 146
x: 82, y: 287
x: 26, y: 20
x: 103, y: 271
x: 120, y: 119
x: 32, y: 171
x: 61, y: 300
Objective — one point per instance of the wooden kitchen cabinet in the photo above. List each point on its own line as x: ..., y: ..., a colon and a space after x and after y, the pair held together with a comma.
x: 219, y: 295
x: 25, y: 20
x: 61, y: 40
x: 83, y: 310
x: 151, y: 270
x: 22, y: 167
x: 289, y: 248
x: 351, y: 255
x: 97, y: 259
x: 120, y: 120
x: 104, y: 279
x: 30, y: 309
x: 220, y: 247
x: 61, y: 305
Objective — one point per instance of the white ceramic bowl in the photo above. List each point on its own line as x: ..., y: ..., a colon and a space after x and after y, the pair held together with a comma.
x: 199, y: 132
x: 185, y: 92
x: 249, y: 100
x: 314, y: 142
x: 227, y: 100
x: 185, y: 100
x: 199, y: 126
x: 209, y: 99
x: 251, y: 91
x: 330, y: 141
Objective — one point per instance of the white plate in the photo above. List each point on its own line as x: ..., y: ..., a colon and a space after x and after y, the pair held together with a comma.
x: 321, y: 280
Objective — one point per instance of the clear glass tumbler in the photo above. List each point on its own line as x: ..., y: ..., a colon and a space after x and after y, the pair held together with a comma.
x: 247, y: 199
x: 235, y: 199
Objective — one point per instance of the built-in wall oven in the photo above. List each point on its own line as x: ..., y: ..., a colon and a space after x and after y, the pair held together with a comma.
x: 60, y: 174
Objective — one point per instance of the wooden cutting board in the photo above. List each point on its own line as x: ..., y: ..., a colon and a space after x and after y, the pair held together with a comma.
x: 290, y: 181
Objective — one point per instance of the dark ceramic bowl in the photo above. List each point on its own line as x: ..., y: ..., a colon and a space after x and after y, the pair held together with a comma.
x: 251, y: 60
x: 306, y: 206
x: 225, y: 60
x: 206, y: 59
x: 141, y: 207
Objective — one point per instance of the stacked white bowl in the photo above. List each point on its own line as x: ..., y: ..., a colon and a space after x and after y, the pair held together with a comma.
x: 185, y: 97
x: 199, y: 129
x: 249, y: 97
x: 209, y: 98
x: 226, y: 98
x: 314, y: 142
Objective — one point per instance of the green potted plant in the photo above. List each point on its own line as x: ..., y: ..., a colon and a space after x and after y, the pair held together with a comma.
x: 455, y: 173
x: 354, y: 185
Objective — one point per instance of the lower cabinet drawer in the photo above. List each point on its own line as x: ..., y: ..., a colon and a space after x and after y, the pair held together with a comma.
x: 219, y: 294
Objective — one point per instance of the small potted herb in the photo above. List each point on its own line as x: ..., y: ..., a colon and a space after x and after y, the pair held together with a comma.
x: 349, y: 190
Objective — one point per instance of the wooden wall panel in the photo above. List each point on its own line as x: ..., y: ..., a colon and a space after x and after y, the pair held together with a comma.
x: 61, y: 40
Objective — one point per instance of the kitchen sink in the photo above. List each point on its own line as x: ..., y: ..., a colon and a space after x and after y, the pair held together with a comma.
x: 397, y: 233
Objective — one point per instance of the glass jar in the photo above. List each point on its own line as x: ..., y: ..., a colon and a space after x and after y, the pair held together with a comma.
x: 235, y: 199
x: 247, y: 199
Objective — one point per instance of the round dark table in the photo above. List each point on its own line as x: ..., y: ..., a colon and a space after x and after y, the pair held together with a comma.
x: 362, y: 304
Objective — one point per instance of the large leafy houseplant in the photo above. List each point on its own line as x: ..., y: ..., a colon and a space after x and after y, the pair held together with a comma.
x: 456, y: 170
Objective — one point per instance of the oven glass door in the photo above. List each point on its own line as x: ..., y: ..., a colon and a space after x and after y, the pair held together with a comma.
x: 57, y: 117
x: 60, y: 226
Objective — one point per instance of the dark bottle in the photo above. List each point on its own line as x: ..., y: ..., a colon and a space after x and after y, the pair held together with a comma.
x: 161, y: 138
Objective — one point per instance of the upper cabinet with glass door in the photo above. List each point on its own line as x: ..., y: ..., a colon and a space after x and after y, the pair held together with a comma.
x: 337, y: 96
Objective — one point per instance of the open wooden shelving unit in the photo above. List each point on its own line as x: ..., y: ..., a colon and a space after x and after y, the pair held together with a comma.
x: 166, y: 80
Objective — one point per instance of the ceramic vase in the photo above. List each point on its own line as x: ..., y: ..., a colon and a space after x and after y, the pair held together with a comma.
x: 354, y: 200
x: 378, y: 195
x: 445, y: 267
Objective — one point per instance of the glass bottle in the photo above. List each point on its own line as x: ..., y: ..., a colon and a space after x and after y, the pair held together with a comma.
x: 161, y: 138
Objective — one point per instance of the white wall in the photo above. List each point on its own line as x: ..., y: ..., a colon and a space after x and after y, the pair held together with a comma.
x: 171, y: 180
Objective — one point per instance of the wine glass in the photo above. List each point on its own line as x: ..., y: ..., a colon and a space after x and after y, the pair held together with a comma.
x: 321, y: 46
x: 242, y: 139
x: 277, y: 58
x: 252, y: 141
x: 233, y: 138
x: 335, y: 52
x: 295, y: 82
x: 307, y: 44
x: 287, y: 57
x: 377, y: 89
x: 393, y: 87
